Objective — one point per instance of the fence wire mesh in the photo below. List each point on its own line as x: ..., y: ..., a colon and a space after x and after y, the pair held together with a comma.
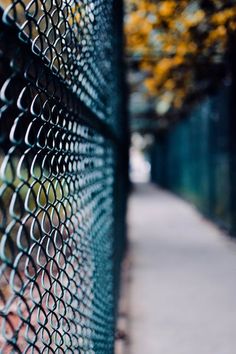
x: 61, y: 203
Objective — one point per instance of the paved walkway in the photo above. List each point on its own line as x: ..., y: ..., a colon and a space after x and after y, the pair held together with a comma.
x: 183, y: 279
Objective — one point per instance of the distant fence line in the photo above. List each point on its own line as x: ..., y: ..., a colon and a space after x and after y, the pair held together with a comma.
x: 196, y: 158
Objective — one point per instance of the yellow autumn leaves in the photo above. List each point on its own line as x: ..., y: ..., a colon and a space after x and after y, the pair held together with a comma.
x: 171, y: 39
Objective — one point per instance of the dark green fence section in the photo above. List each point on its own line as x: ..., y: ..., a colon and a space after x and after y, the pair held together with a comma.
x: 63, y: 168
x: 195, y: 158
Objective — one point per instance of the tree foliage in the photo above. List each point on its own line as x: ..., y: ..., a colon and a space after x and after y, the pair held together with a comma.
x: 180, y: 47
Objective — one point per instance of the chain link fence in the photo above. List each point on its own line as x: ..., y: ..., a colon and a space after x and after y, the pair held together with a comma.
x: 62, y: 174
x: 196, y: 158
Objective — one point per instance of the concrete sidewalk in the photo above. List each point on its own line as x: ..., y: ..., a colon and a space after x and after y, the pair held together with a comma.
x: 183, y: 279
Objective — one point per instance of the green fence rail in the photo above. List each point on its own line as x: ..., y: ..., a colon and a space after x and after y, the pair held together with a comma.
x: 63, y: 163
x: 195, y: 158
